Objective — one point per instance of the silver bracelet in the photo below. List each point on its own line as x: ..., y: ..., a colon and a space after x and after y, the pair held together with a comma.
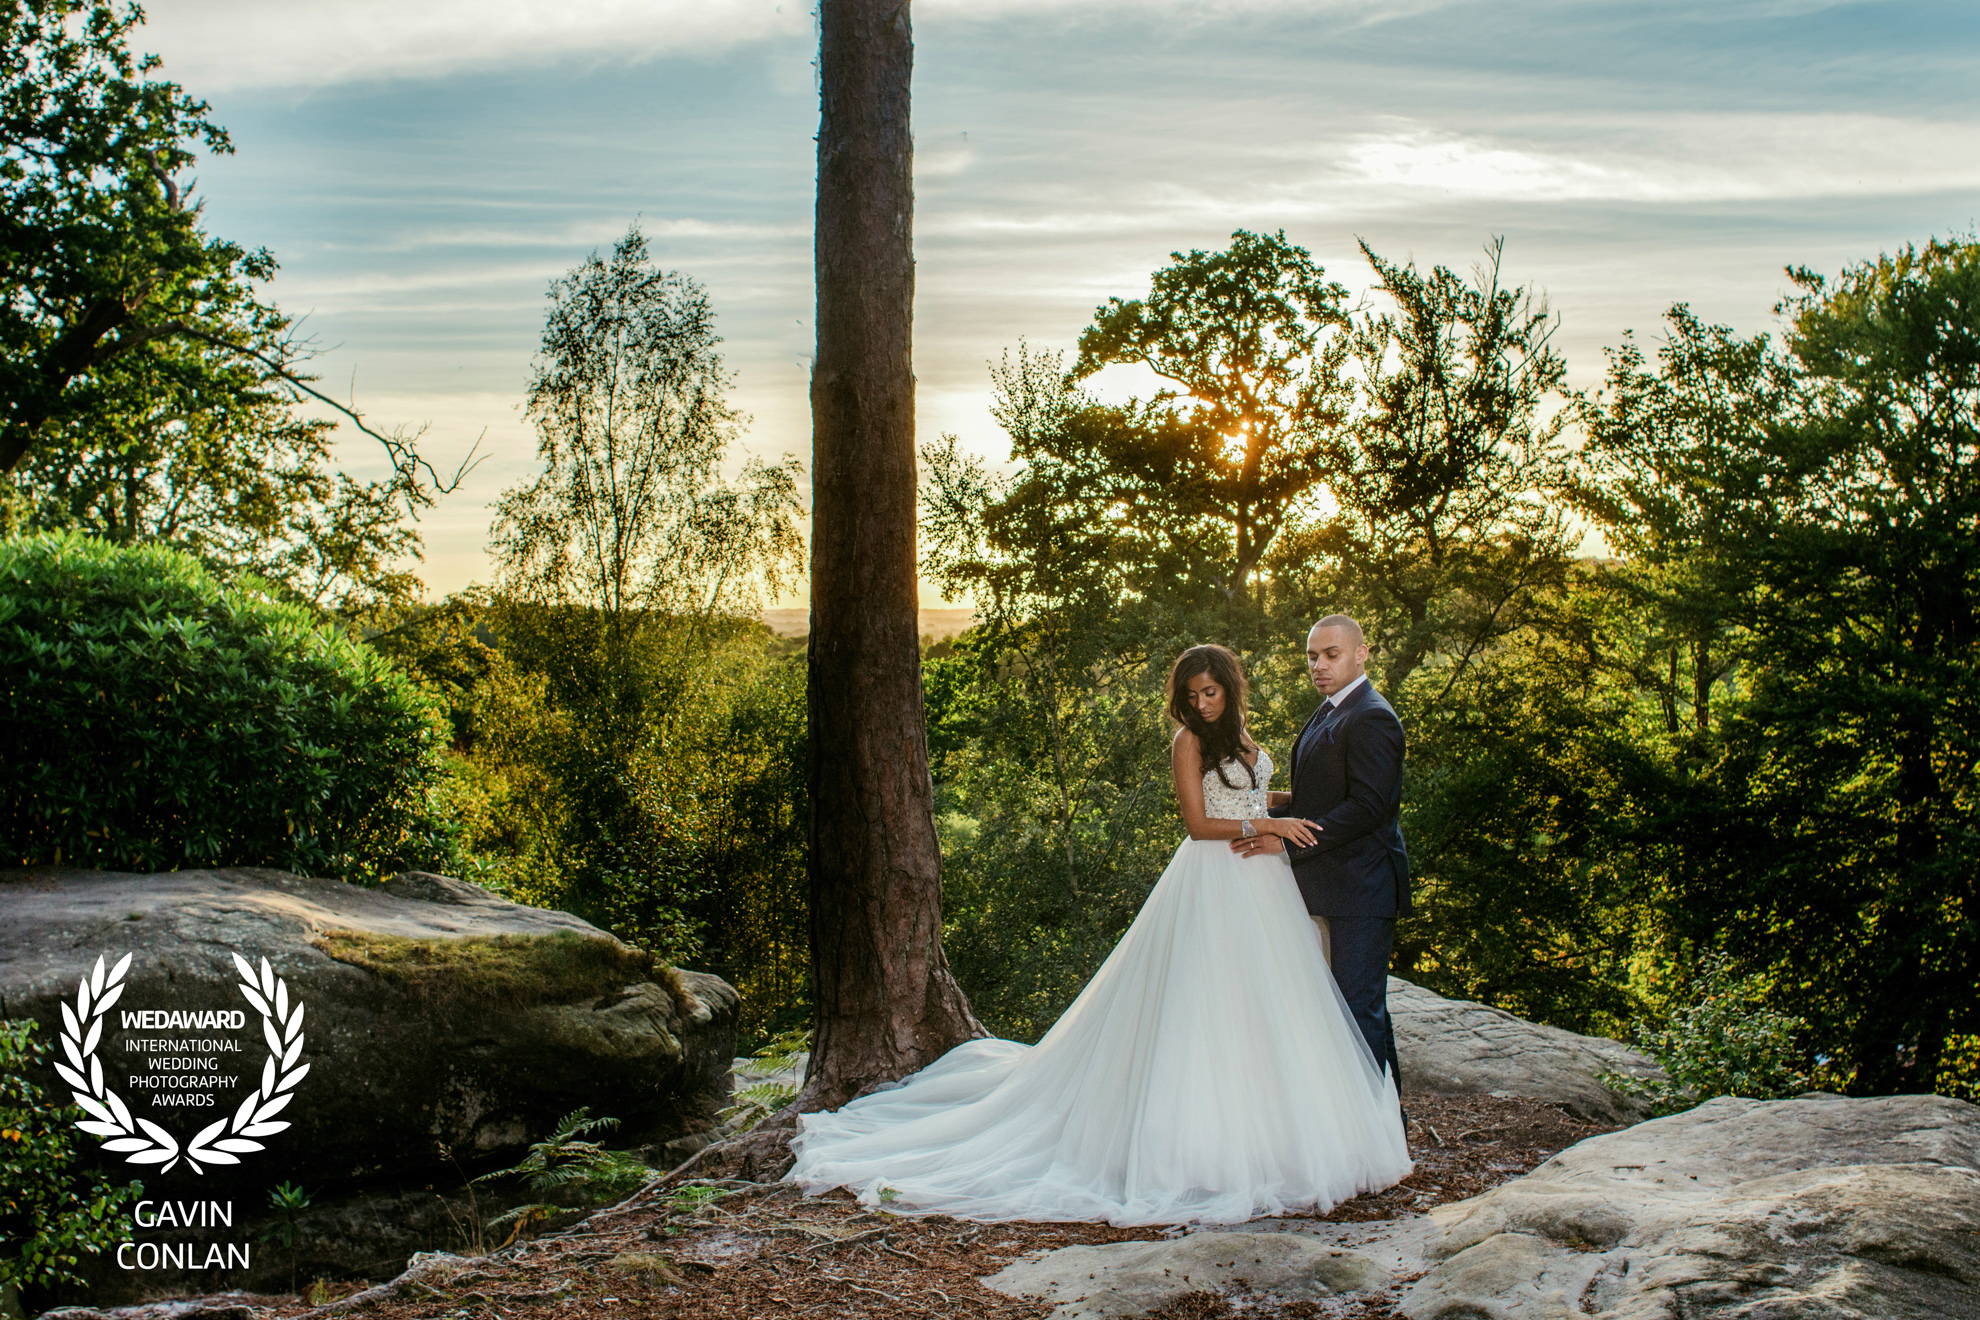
x: 1250, y: 830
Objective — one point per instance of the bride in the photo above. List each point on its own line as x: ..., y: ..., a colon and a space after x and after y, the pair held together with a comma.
x: 1209, y: 1072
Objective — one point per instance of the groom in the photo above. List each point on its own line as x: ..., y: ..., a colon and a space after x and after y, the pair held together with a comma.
x: 1347, y: 779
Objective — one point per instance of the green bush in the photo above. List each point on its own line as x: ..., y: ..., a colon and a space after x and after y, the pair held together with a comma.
x: 1726, y: 1042
x: 52, y: 1213
x: 158, y: 719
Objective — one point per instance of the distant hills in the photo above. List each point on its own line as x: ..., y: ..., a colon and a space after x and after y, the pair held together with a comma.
x: 934, y: 623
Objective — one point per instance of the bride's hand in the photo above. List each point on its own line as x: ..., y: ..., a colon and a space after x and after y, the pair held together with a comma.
x: 1290, y: 828
x: 1258, y: 844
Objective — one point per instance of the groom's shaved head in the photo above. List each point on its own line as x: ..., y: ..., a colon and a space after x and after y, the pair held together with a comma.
x: 1346, y: 625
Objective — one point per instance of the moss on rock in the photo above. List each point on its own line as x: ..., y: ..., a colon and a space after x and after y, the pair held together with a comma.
x: 496, y: 971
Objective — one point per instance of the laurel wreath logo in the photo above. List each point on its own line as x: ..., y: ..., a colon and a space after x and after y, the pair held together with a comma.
x: 141, y: 1141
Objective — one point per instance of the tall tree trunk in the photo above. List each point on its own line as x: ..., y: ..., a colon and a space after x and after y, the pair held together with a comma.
x: 886, y: 1002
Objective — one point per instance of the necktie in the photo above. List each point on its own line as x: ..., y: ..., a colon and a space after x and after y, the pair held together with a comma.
x: 1320, y: 718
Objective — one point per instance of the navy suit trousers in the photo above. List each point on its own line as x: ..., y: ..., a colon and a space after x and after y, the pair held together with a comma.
x: 1360, y: 947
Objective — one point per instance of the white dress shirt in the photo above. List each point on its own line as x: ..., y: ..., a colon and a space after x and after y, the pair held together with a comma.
x: 1336, y: 700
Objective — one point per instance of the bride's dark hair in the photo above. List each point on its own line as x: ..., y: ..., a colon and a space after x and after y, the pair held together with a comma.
x: 1222, y: 742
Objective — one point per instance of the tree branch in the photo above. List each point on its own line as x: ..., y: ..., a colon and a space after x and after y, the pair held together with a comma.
x: 406, y: 460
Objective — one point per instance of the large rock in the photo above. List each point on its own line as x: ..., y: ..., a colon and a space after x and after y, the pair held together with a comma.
x: 1820, y: 1206
x: 1458, y: 1047
x: 1134, y: 1278
x: 444, y: 1026
x: 1823, y: 1206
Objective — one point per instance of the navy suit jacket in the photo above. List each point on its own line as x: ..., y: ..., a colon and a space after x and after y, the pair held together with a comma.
x: 1347, y: 778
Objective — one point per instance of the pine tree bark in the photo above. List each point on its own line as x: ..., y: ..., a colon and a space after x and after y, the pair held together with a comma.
x: 886, y: 1003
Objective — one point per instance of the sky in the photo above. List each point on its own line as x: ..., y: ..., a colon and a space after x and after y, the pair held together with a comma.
x: 423, y: 171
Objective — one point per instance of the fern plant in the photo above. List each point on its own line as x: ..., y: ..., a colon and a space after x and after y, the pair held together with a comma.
x: 752, y: 1104
x: 579, y: 1170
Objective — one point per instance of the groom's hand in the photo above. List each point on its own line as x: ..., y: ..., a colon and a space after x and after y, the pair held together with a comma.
x: 1263, y: 843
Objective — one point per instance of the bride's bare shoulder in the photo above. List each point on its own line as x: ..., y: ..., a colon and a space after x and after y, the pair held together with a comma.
x: 1186, y: 747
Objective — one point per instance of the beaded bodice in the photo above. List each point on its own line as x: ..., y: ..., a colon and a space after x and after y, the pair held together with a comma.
x: 1240, y: 803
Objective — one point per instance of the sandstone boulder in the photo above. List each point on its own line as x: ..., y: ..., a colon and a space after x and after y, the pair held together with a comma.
x: 1458, y: 1047
x: 1822, y: 1206
x: 1818, y: 1206
x: 443, y: 1025
x: 1135, y: 1278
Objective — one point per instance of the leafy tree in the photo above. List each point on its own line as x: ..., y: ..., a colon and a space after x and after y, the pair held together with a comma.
x: 1674, y: 473
x: 1224, y: 454
x: 1801, y: 527
x: 627, y: 742
x: 1856, y: 755
x: 134, y: 348
x: 630, y: 516
x: 1445, y: 526
x: 100, y: 250
x: 189, y: 446
x: 1175, y: 498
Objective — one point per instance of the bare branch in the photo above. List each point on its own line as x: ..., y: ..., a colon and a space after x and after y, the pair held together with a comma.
x: 406, y: 459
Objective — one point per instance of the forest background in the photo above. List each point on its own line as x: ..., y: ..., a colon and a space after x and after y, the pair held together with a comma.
x: 1748, y: 734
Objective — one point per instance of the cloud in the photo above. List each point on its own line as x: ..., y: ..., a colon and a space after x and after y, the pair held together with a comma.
x: 1721, y: 158
x: 222, y: 45
x: 218, y: 45
x: 576, y: 236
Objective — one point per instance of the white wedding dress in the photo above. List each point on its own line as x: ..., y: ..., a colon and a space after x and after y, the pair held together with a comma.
x: 1209, y: 1073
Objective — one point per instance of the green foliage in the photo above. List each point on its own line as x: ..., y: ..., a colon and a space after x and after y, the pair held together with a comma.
x: 1130, y: 533
x: 147, y: 391
x: 567, y: 1164
x: 1054, y: 812
x: 752, y: 1104
x: 145, y: 384
x: 100, y: 252
x: 53, y: 1210
x: 1519, y: 813
x: 190, y: 446
x: 1446, y: 530
x: 628, y: 743
x: 288, y: 1201
x: 1959, y: 1068
x: 1720, y: 1039
x: 179, y: 722
x: 1248, y: 347
x: 1811, y: 517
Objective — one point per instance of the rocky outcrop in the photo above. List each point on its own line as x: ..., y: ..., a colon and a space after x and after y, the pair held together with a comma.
x: 443, y: 1028
x: 1461, y: 1048
x: 1822, y: 1206
x: 1135, y: 1278
x: 1817, y: 1206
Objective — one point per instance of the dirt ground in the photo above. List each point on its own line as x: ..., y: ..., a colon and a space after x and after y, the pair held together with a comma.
x: 751, y: 1252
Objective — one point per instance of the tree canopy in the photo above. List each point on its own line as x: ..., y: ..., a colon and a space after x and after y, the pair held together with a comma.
x: 148, y: 388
